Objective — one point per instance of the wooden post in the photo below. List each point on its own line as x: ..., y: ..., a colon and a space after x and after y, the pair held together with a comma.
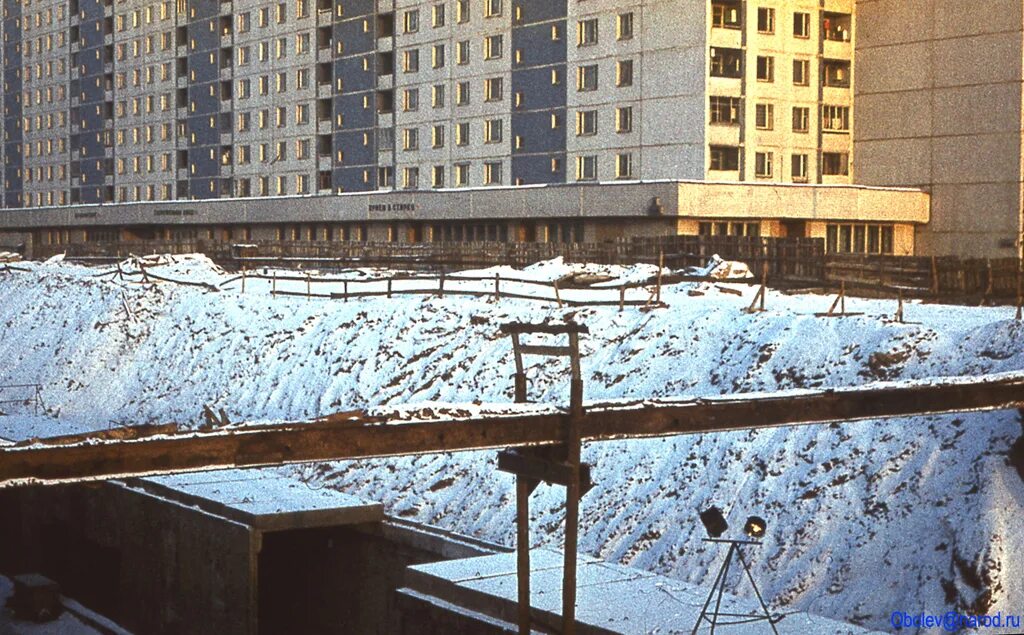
x: 243, y: 279
x: 523, y: 552
x: 1020, y: 299
x: 389, y: 287
x: 935, y: 277
x: 899, y: 307
x: 345, y: 287
x: 523, y: 488
x: 558, y: 296
x: 308, y: 292
x: 273, y: 283
x: 842, y: 297
x: 622, y: 297
x: 497, y: 286
x: 661, y: 265
x: 440, y: 286
x: 572, y: 493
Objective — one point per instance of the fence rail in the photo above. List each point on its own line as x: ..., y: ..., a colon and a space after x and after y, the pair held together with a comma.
x: 22, y: 394
x: 788, y: 261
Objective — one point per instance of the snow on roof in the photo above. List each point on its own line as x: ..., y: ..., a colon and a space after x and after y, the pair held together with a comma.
x: 263, y: 498
x: 612, y: 597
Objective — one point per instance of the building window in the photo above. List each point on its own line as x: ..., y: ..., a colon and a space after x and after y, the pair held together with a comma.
x: 725, y: 158
x: 728, y: 228
x: 624, y: 165
x: 462, y: 52
x: 461, y: 174
x: 586, y: 78
x: 802, y: 25
x: 462, y: 11
x: 725, y: 15
x: 765, y: 20
x: 437, y: 56
x: 410, y: 139
x: 437, y: 179
x: 411, y: 61
x: 493, y: 45
x: 410, y: 178
x: 437, y: 15
x: 765, y: 68
x: 801, y: 119
x: 437, y: 96
x: 726, y: 62
x: 586, y: 167
x: 411, y: 99
x: 859, y: 238
x: 765, y: 116
x: 492, y: 173
x: 725, y: 110
x: 624, y: 73
x: 437, y: 136
x: 586, y: 32
x: 462, y: 133
x: 801, y: 72
x: 836, y: 73
x: 763, y: 164
x: 799, y: 168
x: 462, y: 93
x: 411, y: 21
x: 492, y: 131
x: 624, y: 119
x: 586, y: 123
x: 835, y: 164
x: 492, y: 8
x: 493, y: 89
x: 624, y: 26
x: 835, y: 118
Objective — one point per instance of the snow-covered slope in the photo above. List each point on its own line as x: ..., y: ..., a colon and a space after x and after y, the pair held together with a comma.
x: 864, y: 518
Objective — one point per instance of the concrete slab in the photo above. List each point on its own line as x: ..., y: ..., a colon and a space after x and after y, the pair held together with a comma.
x: 611, y: 598
x: 263, y: 499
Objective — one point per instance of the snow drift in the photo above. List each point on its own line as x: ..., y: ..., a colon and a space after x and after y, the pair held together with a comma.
x: 866, y: 518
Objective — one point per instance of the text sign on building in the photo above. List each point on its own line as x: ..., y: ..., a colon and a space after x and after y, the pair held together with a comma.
x: 392, y: 207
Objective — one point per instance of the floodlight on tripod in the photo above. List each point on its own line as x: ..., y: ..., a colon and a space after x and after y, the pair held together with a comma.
x: 715, y: 524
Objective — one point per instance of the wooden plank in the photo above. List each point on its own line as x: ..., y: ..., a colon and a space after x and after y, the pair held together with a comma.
x: 354, y: 439
x: 551, y: 329
x: 540, y: 469
x: 536, y: 349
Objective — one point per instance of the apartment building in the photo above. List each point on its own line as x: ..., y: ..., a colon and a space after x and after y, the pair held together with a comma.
x: 122, y: 101
x: 938, y: 93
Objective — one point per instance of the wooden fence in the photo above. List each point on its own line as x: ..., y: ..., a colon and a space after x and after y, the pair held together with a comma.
x: 788, y: 261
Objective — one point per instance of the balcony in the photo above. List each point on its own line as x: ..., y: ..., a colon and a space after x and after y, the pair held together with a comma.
x: 835, y: 73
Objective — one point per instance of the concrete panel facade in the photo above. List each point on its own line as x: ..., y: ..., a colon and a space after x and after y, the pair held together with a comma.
x: 938, y: 93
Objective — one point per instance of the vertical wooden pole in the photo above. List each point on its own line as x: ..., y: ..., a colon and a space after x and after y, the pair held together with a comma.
x: 661, y: 265
x: 308, y: 290
x: 622, y: 298
x: 273, y: 283
x: 523, y: 488
x: 572, y: 494
x: 523, y: 552
x: 497, y: 286
x: 1020, y: 299
x: 389, y: 287
x: 899, y: 307
x: 558, y: 296
x: 440, y: 286
x: 842, y: 297
x: 345, y: 287
x: 243, y: 279
x: 764, y: 283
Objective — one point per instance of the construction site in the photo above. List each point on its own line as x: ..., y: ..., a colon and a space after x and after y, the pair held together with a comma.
x: 556, y: 448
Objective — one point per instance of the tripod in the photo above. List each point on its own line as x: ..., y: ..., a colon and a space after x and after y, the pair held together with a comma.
x: 719, y: 588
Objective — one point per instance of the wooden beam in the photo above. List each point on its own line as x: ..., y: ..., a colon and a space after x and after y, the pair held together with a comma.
x: 357, y: 438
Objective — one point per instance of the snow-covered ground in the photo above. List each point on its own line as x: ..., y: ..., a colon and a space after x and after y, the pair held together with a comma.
x: 865, y: 518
